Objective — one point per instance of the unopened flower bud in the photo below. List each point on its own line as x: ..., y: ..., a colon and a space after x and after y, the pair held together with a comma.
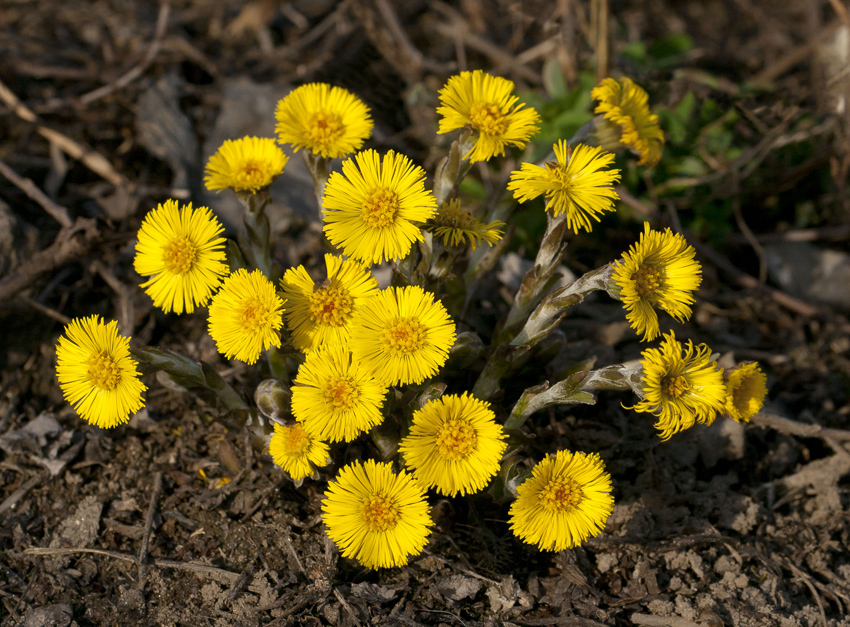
x: 274, y: 399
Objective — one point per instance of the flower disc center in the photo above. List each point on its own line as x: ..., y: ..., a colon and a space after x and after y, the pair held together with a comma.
x: 379, y: 513
x: 561, y: 495
x: 179, y: 255
x: 452, y: 215
x: 252, y: 174
x: 324, y: 127
x: 380, y: 208
x: 647, y: 281
x: 330, y: 306
x: 404, y: 336
x: 103, y: 371
x: 295, y: 440
x: 488, y: 118
x: 674, y: 387
x: 255, y: 316
x: 342, y: 393
x: 456, y: 440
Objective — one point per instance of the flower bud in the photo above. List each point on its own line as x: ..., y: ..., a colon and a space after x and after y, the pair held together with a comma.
x: 274, y: 400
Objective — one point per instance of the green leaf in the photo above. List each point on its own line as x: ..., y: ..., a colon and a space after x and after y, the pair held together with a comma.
x: 553, y: 79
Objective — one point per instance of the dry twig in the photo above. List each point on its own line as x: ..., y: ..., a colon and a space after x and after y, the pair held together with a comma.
x: 71, y: 243
x: 221, y: 575
x: 59, y: 213
x: 792, y: 427
x: 143, y: 551
x: 92, y: 159
x: 136, y: 71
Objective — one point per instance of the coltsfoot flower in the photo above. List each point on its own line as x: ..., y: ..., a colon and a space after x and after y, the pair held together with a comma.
x: 660, y: 272
x: 457, y: 225
x: 182, y: 253
x: 376, y: 516
x: 578, y: 185
x: 373, y: 209
x: 681, y: 389
x: 454, y: 445
x: 245, y: 165
x: 246, y: 316
x: 321, y: 314
x: 328, y: 121
x: 485, y: 103
x: 296, y: 451
x: 746, y: 387
x: 335, y: 397
x: 97, y: 375
x: 566, y: 500
x: 625, y: 105
x: 402, y: 334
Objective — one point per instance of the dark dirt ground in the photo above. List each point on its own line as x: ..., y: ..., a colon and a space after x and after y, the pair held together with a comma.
x: 728, y: 525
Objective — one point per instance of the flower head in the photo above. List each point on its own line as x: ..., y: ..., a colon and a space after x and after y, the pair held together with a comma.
x: 577, y: 185
x: 658, y: 272
x: 96, y: 373
x: 402, y: 334
x: 328, y: 121
x: 624, y: 104
x: 182, y: 253
x: 373, y: 207
x: 485, y: 103
x: 321, y: 314
x: 376, y: 516
x: 456, y: 225
x: 296, y: 451
x: 245, y: 165
x: 454, y: 444
x: 335, y: 397
x: 246, y: 316
x: 566, y: 500
x: 746, y: 387
x: 680, y: 389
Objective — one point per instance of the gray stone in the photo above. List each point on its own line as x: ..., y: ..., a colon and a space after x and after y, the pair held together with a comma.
x: 723, y: 439
x: 58, y: 615
x: 458, y: 587
x: 79, y: 530
x: 810, y: 272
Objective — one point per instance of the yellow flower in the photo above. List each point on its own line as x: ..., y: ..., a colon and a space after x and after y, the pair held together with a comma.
x: 680, y: 389
x: 746, y: 387
x: 296, y: 451
x: 402, y: 334
x: 334, y: 396
x: 182, y: 254
x: 454, y: 444
x: 327, y: 121
x: 485, y: 103
x: 658, y: 272
x: 372, y: 209
x: 576, y: 185
x: 96, y: 373
x: 566, y: 500
x: 376, y: 516
x: 246, y: 316
x: 245, y: 165
x: 321, y: 314
x: 625, y: 104
x: 455, y: 225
